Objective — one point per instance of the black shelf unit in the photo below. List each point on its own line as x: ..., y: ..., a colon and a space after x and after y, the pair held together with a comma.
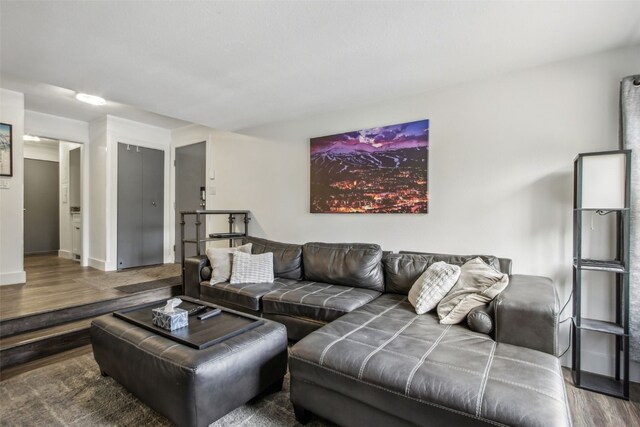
x: 618, y: 384
x: 231, y: 236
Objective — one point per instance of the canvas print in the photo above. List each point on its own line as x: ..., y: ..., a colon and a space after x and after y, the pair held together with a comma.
x: 378, y: 170
x: 6, y: 158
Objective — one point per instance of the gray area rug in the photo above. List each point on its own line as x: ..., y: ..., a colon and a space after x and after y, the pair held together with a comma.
x: 151, y: 285
x: 73, y: 393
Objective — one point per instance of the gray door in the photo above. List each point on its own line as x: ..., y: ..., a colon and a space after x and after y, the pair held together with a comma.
x: 140, y: 206
x: 41, y: 206
x: 191, y: 174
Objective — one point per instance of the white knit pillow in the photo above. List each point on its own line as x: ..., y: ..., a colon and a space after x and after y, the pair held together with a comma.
x: 220, y: 260
x: 252, y: 268
x: 433, y: 285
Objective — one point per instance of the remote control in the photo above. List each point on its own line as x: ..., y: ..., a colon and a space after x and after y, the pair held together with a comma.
x: 197, y: 309
x: 212, y: 313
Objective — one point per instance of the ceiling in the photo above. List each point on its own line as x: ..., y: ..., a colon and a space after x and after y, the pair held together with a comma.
x: 233, y: 65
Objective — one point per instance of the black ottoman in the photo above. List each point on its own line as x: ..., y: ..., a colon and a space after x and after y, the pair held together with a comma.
x: 188, y: 386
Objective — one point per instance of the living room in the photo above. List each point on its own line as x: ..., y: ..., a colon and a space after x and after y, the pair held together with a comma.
x: 512, y: 92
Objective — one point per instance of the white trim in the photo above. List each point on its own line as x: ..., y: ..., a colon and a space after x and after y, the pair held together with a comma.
x: 65, y: 254
x: 13, y: 278
x: 97, y: 263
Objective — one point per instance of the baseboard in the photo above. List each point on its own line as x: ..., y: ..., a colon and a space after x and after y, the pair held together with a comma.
x: 64, y: 254
x: 98, y: 264
x: 13, y: 278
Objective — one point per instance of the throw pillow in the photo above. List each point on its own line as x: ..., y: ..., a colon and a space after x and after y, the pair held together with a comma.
x: 480, y: 320
x: 478, y: 284
x: 432, y: 286
x: 252, y: 268
x: 221, y: 259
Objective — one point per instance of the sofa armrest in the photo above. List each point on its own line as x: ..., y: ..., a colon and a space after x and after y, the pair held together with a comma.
x: 192, y: 278
x: 526, y: 314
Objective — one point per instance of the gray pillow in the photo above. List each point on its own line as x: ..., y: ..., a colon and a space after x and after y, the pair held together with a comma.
x: 432, y: 286
x: 480, y: 319
x: 478, y: 284
x: 248, y: 268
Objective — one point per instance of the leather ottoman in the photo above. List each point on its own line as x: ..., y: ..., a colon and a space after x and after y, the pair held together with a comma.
x: 188, y: 386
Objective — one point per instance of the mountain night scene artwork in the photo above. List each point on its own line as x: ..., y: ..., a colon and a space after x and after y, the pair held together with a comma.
x: 378, y: 170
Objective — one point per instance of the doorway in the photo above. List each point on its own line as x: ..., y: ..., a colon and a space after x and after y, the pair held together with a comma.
x: 52, y: 197
x: 140, y: 206
x: 190, y: 174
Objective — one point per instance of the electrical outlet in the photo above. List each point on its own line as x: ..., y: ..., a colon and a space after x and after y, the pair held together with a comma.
x: 4, y: 184
x: 212, y: 190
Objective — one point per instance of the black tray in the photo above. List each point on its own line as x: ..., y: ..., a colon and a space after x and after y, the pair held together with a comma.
x: 200, y: 334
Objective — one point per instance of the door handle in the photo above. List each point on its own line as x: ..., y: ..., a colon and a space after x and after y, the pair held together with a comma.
x: 154, y: 203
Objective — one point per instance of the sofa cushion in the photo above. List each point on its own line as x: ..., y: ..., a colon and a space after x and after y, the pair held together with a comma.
x: 386, y: 356
x: 349, y: 264
x: 478, y: 284
x: 245, y: 295
x: 287, y: 258
x: 403, y: 269
x: 318, y: 301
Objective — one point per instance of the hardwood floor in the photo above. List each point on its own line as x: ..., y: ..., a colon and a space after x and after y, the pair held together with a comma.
x: 54, y: 283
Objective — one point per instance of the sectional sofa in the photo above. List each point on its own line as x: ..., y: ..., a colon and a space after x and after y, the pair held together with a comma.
x: 364, y: 357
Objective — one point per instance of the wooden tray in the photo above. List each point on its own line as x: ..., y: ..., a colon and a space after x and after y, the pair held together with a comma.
x: 200, y: 334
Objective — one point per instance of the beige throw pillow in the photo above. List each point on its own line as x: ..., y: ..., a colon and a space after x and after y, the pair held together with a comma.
x: 478, y: 284
x: 432, y: 286
x: 221, y: 260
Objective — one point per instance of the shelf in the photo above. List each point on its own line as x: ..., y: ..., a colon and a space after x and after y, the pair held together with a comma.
x: 213, y: 239
x: 602, y: 209
x: 613, y: 266
x: 599, y: 326
x: 600, y: 384
x: 202, y: 211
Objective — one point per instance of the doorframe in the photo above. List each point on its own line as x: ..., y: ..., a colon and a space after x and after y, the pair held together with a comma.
x: 113, y: 140
x: 84, y: 195
x: 208, y: 148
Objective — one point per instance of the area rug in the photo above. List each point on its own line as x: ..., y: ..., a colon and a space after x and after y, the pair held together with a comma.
x: 73, y: 393
x: 151, y: 285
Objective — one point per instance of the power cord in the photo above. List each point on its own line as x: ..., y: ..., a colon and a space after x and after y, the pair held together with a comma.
x: 568, y: 318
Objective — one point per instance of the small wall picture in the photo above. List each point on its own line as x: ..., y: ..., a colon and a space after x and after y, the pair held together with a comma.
x: 377, y: 170
x: 6, y: 150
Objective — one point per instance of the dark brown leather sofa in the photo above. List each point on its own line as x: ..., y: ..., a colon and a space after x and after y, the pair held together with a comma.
x: 365, y: 358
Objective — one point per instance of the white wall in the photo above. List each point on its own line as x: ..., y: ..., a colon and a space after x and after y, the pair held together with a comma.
x: 47, y: 151
x: 500, y: 175
x: 56, y: 127
x: 11, y: 199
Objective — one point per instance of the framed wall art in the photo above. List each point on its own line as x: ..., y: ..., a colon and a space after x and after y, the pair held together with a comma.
x: 377, y: 170
x: 6, y: 150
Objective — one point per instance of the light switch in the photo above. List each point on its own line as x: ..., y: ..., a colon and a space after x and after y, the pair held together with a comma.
x: 213, y: 174
x: 212, y: 190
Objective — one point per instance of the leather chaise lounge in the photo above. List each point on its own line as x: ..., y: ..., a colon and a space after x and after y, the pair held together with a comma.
x: 364, y: 357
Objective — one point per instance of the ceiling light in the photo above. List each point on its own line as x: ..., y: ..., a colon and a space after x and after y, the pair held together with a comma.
x: 90, y: 99
x: 30, y: 138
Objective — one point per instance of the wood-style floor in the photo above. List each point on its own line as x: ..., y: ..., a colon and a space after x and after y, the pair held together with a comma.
x: 54, y: 283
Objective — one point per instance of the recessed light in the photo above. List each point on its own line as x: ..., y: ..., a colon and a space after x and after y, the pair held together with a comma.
x: 90, y: 99
x: 30, y: 138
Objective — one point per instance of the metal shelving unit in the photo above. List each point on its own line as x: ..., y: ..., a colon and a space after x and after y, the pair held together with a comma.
x: 618, y: 384
x: 231, y: 236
